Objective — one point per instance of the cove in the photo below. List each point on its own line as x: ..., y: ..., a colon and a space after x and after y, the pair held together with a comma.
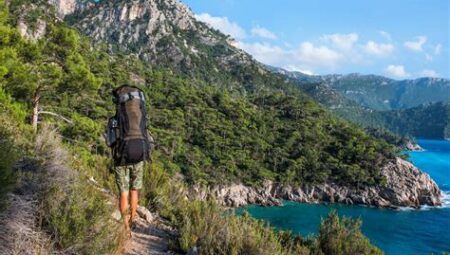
x: 397, y: 232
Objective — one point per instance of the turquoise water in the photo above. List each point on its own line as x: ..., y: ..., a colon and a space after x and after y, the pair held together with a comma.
x: 397, y: 232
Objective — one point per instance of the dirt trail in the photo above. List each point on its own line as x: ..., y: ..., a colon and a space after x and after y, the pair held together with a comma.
x: 149, y: 238
x: 150, y: 235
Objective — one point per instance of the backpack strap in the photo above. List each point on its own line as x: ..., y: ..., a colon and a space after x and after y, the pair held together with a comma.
x: 132, y: 95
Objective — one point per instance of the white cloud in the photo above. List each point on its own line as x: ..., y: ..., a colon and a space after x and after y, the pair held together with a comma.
x: 416, y: 45
x: 223, y: 24
x: 317, y: 56
x: 341, y: 41
x: 385, y: 35
x: 299, y: 69
x: 325, y: 53
x: 429, y: 73
x: 265, y: 53
x: 396, y: 71
x: 438, y: 49
x: 263, y: 33
x: 379, y: 49
x: 304, y: 58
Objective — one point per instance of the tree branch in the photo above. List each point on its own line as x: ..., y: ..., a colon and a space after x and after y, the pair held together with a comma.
x: 57, y: 115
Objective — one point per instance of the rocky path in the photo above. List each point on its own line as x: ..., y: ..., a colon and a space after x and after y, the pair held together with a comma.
x: 149, y: 236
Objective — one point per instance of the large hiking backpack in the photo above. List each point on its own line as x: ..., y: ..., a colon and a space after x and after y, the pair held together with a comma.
x: 127, y: 133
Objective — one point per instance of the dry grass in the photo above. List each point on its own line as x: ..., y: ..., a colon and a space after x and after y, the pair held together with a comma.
x: 53, y: 161
x: 20, y: 233
x: 53, y: 209
x: 74, y: 211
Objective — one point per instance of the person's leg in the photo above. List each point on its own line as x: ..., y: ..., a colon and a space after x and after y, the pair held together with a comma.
x: 133, y: 203
x: 122, y: 174
x: 137, y: 173
x: 123, y: 206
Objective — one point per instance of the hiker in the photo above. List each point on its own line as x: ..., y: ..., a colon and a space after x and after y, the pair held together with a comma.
x: 131, y: 144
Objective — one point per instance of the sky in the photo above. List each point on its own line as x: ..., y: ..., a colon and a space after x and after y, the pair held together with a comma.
x: 401, y: 39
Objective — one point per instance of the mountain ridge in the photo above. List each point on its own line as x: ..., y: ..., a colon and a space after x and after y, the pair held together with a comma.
x: 427, y: 120
x: 379, y: 92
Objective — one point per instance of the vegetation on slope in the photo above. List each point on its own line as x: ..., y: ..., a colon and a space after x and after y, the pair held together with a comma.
x: 272, y: 136
x: 425, y: 121
x: 210, y: 134
x: 13, y: 141
x: 45, y: 204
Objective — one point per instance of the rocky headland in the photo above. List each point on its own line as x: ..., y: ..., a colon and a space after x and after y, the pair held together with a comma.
x: 406, y: 186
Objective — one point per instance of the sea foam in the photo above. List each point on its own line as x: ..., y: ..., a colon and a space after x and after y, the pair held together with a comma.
x: 445, y: 199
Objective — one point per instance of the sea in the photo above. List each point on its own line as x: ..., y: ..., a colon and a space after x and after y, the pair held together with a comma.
x: 397, y: 232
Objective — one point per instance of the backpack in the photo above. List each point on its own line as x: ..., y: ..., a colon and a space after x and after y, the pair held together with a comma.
x: 127, y: 133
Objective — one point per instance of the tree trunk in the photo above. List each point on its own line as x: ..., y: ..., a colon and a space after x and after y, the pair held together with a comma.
x: 35, y: 116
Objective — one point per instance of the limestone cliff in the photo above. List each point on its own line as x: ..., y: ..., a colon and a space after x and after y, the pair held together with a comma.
x: 67, y: 7
x: 406, y: 186
x: 161, y: 32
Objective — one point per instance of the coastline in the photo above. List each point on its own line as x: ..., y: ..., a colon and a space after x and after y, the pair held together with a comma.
x: 413, y: 146
x: 406, y: 186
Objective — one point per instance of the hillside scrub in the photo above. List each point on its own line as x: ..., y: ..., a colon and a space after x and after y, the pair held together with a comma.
x: 52, y: 207
x: 342, y: 236
x: 76, y: 213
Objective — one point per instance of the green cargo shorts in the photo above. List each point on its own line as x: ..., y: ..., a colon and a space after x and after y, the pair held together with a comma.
x: 129, y: 176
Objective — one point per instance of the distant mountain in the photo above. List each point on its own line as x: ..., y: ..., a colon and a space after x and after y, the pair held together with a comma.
x: 381, y: 93
x: 428, y: 120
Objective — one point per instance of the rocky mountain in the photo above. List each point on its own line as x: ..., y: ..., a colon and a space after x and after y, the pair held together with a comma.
x: 381, y: 93
x: 67, y: 7
x: 161, y: 32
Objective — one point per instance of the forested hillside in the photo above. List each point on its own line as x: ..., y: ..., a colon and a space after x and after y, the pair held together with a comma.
x: 265, y: 129
x: 425, y: 121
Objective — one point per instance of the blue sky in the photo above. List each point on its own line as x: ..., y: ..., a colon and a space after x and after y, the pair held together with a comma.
x: 400, y: 39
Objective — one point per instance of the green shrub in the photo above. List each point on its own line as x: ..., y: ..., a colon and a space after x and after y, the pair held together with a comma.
x: 205, y: 226
x: 83, y: 129
x: 13, y: 142
x: 8, y: 156
x: 341, y: 236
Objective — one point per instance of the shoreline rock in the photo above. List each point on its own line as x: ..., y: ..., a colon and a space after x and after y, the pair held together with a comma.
x: 406, y: 186
x: 411, y: 146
